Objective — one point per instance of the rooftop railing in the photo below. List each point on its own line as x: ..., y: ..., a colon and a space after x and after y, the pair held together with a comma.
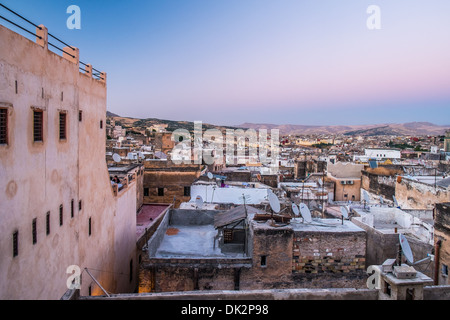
x: 42, y: 38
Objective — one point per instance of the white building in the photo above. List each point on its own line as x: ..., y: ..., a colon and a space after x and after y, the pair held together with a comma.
x: 232, y: 192
x: 378, y: 154
x: 381, y: 154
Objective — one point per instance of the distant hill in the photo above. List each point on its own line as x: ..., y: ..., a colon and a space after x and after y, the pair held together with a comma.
x: 405, y: 129
x: 110, y: 114
x: 172, y: 125
x: 409, y: 129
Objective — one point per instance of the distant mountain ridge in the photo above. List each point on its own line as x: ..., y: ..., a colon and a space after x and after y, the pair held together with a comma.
x: 409, y: 129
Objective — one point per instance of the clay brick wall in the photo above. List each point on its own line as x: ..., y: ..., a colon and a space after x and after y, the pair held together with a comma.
x: 319, y: 253
x: 275, y: 245
x: 172, y: 178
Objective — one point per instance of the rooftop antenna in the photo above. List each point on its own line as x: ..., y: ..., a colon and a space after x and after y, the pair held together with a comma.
x: 245, y: 198
x: 117, y: 158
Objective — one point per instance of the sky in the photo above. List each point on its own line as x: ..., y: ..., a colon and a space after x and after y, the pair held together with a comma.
x: 228, y: 62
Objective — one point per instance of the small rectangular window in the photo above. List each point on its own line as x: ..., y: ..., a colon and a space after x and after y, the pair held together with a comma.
x: 160, y: 192
x: 47, y: 223
x: 62, y: 126
x: 146, y: 192
x: 387, y: 288
x: 101, y: 124
x: 17, y: 88
x: 3, y: 126
x: 263, y: 261
x: 72, y: 208
x: 80, y: 116
x: 61, y: 216
x: 16, y: 244
x: 80, y: 205
x: 131, y: 270
x: 38, y: 126
x: 90, y: 226
x: 34, y: 231
x: 445, y: 270
x: 62, y: 95
x: 187, y: 191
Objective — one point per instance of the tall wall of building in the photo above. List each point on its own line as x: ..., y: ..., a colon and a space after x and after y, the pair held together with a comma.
x: 412, y: 194
x: 442, y: 234
x: 57, y: 205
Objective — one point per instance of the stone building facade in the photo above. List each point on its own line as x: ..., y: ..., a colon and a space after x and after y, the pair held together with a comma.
x: 166, y: 182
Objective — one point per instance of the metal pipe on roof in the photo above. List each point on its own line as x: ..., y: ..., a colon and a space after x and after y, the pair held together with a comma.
x: 95, y: 280
x: 437, y: 250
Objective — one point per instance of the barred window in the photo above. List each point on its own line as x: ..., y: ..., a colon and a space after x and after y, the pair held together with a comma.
x: 47, y: 223
x: 61, y: 215
x: 38, y: 126
x: 62, y: 126
x: 16, y: 244
x: 3, y: 126
x: 34, y: 231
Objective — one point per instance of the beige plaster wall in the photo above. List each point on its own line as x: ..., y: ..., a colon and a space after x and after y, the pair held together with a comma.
x: 36, y: 178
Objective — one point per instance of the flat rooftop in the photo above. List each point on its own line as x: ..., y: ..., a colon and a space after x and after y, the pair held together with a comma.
x: 325, y: 225
x: 191, y: 234
x: 394, y: 220
x: 192, y: 242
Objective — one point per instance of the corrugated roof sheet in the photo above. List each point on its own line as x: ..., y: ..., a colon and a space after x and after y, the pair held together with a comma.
x: 228, y: 217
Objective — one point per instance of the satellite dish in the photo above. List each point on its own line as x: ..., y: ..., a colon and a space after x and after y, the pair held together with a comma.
x: 344, y: 212
x: 274, y: 202
x: 366, y: 197
x: 306, y: 214
x: 210, y: 176
x: 406, y: 249
x: 295, y: 209
x: 395, y: 202
x: 199, y: 201
x: 117, y: 158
